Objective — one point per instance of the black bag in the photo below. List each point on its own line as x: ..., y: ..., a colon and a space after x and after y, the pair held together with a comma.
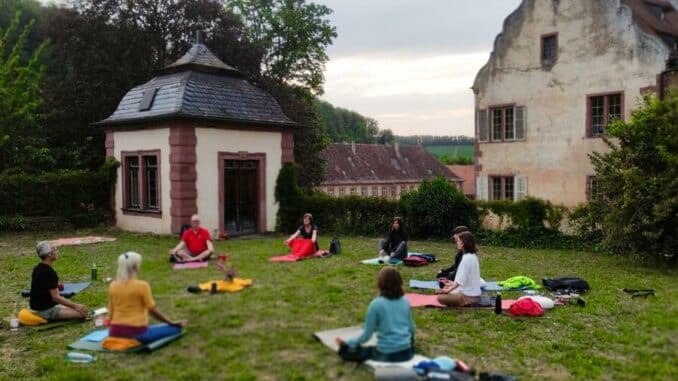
x: 358, y: 354
x: 335, y: 246
x: 566, y: 284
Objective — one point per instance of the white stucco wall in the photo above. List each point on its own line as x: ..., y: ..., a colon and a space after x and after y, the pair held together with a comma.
x: 156, y: 139
x: 210, y: 142
x: 600, y: 49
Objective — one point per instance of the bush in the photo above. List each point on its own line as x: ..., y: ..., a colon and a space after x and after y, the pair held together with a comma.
x: 435, y: 208
x: 529, y: 213
x: 82, y: 196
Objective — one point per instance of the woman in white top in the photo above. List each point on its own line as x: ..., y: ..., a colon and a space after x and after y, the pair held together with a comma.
x: 465, y: 289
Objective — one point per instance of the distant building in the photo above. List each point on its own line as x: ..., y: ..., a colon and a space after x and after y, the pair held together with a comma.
x: 468, y: 175
x: 380, y: 170
x: 197, y: 138
x: 560, y: 71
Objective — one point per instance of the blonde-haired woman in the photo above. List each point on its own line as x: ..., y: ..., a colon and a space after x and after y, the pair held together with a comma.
x: 130, y: 301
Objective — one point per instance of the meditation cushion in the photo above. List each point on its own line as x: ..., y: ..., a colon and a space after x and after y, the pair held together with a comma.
x: 28, y: 317
x: 119, y: 343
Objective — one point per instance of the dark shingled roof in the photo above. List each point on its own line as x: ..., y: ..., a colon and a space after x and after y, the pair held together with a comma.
x: 643, y: 13
x: 350, y: 163
x: 199, y: 86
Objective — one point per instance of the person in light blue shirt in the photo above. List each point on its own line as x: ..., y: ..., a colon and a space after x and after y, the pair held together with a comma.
x: 390, y: 317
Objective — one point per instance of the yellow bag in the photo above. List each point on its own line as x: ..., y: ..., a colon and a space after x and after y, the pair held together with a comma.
x: 28, y: 317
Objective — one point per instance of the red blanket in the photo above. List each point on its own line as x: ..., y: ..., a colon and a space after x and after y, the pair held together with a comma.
x: 301, y: 249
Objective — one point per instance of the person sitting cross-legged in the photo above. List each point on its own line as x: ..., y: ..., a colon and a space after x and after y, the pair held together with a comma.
x: 465, y: 289
x: 45, y: 300
x: 130, y: 301
x: 396, y: 244
x: 195, y: 245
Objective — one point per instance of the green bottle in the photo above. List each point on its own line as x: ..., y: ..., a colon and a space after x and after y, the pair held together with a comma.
x: 94, y: 271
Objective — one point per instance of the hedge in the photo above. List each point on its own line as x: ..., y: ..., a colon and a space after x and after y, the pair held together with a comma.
x: 80, y: 196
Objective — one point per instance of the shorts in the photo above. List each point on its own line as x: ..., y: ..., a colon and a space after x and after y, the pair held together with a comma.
x: 50, y: 314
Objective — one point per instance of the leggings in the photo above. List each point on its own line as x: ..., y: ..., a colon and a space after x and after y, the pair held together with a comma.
x: 157, y: 332
x: 399, y: 252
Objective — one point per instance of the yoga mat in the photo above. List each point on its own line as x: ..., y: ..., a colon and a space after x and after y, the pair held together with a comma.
x: 375, y: 261
x: 83, y: 345
x: 96, y: 336
x: 424, y: 284
x: 294, y: 258
x: 424, y: 300
x: 74, y: 241
x: 48, y: 326
x: 190, y: 265
x: 492, y: 286
x: 70, y: 289
x: 327, y: 338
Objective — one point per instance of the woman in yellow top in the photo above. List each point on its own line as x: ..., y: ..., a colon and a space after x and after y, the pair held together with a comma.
x: 130, y: 301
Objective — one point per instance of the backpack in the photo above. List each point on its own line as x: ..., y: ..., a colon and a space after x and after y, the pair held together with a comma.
x: 335, y: 246
x: 566, y: 284
x: 415, y: 261
x: 526, y: 307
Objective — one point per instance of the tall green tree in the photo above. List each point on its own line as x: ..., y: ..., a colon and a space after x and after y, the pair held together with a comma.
x: 21, y: 145
x: 636, y: 192
x: 293, y: 35
x: 343, y: 125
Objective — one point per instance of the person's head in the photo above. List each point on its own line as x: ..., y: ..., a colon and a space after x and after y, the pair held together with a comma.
x: 397, y: 223
x: 45, y: 250
x: 390, y: 283
x: 458, y: 230
x: 308, y: 219
x: 128, y: 266
x: 466, y: 242
x: 195, y: 222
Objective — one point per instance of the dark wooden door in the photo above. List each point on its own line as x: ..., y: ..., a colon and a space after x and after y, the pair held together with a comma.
x: 240, y: 196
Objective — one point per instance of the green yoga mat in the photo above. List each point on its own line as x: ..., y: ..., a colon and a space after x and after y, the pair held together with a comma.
x: 83, y: 345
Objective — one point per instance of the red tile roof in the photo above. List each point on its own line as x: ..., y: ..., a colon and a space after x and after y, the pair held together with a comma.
x: 355, y: 163
x: 468, y: 173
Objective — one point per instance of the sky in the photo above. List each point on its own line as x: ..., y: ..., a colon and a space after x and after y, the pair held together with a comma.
x: 410, y: 64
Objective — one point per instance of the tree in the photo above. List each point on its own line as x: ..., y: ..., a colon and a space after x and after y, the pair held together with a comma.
x: 344, y: 125
x: 293, y: 35
x: 636, y: 195
x: 21, y: 145
x: 386, y: 137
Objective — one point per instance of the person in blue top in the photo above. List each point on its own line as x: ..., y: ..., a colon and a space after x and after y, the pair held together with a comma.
x: 390, y: 316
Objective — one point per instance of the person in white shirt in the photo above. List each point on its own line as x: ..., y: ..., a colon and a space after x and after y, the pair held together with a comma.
x: 465, y: 289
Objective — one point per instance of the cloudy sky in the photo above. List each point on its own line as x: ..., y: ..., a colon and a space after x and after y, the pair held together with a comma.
x: 410, y: 63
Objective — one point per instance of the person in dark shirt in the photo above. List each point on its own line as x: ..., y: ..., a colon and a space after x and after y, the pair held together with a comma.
x: 396, y: 244
x: 45, y: 299
x: 450, y: 272
x: 306, y: 231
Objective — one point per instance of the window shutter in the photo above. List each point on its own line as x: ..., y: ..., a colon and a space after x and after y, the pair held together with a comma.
x: 521, y: 188
x: 481, y: 121
x: 519, y: 123
x: 481, y: 188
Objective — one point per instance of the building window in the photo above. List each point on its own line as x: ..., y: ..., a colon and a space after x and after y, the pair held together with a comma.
x: 353, y: 191
x: 384, y: 191
x: 375, y: 191
x: 342, y: 192
x: 363, y: 191
x: 394, y: 191
x: 508, y: 123
x: 592, y: 188
x: 141, y: 181
x: 549, y: 48
x: 502, y: 187
x: 603, y: 109
x: 330, y: 191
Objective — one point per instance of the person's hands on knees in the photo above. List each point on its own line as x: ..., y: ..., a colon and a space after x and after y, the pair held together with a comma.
x: 82, y: 309
x: 179, y: 323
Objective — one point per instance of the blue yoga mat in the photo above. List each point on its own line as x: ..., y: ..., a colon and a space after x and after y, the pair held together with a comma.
x: 96, y: 336
x: 69, y: 290
x: 424, y: 284
x: 375, y: 261
x: 492, y: 286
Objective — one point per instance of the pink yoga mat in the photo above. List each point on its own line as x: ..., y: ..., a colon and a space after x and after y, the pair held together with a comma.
x: 424, y: 300
x: 294, y: 258
x: 73, y: 241
x: 190, y: 265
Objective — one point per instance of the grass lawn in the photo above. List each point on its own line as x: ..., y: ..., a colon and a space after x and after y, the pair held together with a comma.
x: 451, y: 150
x: 264, y: 332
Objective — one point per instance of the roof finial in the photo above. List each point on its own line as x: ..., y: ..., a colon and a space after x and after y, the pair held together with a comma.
x: 198, y: 37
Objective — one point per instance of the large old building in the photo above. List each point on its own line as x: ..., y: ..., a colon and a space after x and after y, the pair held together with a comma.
x: 197, y: 138
x: 560, y: 71
x: 380, y: 170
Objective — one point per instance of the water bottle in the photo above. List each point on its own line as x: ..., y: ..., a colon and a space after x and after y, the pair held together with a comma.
x: 497, y: 304
x: 94, y: 271
x: 14, y: 320
x: 213, y: 290
x: 80, y: 358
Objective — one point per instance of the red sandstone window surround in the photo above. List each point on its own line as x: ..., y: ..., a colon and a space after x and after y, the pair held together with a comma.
x: 601, y: 109
x: 141, y: 192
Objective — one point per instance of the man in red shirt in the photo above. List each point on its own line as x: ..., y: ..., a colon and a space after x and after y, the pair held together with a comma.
x: 195, y: 245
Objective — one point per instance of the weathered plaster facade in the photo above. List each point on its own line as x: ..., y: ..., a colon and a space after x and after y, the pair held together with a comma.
x: 600, y: 49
